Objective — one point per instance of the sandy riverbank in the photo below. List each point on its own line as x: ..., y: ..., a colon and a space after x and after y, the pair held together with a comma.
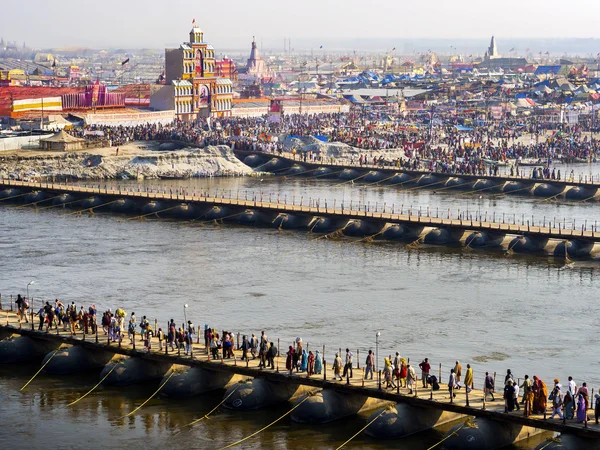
x: 135, y: 160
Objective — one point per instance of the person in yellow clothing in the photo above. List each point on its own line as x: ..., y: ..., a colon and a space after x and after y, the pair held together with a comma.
x: 458, y: 372
x: 469, y: 378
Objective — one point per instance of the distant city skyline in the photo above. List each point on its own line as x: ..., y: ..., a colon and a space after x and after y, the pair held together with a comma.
x: 350, y: 24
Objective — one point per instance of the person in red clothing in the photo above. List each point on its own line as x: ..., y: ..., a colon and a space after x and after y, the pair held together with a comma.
x: 425, y: 368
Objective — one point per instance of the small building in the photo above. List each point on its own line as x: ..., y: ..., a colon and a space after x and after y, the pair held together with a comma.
x: 62, y: 142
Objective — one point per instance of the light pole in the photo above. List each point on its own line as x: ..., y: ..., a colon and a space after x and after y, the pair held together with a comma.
x: 377, y: 350
x: 29, y: 284
x: 185, y: 315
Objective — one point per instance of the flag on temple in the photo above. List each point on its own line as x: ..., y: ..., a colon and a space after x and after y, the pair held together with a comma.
x: 193, y: 21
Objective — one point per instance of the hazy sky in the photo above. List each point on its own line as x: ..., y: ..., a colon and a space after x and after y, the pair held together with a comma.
x: 232, y: 23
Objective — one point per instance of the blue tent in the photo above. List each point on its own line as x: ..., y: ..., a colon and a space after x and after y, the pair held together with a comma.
x: 547, y: 70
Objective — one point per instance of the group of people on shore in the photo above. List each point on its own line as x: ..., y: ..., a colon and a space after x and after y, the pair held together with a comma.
x: 442, y: 147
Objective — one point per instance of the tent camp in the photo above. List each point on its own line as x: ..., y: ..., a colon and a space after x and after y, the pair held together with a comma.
x: 62, y: 141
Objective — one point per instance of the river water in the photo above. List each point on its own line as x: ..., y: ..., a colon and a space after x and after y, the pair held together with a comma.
x: 531, y: 314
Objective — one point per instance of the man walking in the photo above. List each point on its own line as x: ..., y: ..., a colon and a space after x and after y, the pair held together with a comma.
x: 527, y: 395
x: 488, y: 386
x: 348, y: 365
x: 370, y: 365
x: 425, y: 368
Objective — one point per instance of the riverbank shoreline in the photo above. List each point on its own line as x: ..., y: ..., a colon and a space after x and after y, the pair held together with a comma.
x: 135, y: 160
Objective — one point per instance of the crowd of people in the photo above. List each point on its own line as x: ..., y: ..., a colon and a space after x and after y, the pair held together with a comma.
x: 444, y: 146
x: 570, y: 402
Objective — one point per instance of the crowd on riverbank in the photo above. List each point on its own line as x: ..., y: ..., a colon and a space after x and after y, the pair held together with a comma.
x: 570, y: 403
x: 445, y: 146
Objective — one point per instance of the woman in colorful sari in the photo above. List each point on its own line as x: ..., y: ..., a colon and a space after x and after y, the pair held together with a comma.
x: 289, y: 361
x: 540, y: 399
x: 311, y: 363
x: 581, y: 407
x: 318, y: 363
x: 403, y: 372
x: 304, y: 362
x: 569, y: 403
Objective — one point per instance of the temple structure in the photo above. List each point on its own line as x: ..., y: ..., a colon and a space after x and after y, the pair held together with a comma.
x: 192, y: 71
x: 492, y: 51
x: 256, y: 69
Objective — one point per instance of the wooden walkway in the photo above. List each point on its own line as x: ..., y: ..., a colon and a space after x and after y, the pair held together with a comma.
x: 342, y: 210
x: 470, y: 404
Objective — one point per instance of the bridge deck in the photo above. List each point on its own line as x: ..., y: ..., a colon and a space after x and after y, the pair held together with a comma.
x: 332, y: 209
x: 578, y: 181
x: 471, y: 406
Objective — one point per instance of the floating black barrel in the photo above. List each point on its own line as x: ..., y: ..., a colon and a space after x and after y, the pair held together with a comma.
x: 186, y: 211
x: 349, y: 174
x: 297, y: 169
x: 483, y: 239
x: 441, y: 236
x: 133, y: 370
x: 427, y: 180
x: 398, y: 232
x: 485, y: 185
x: 327, y: 406
x: 123, y: 206
x: 401, y: 179
x: 92, y: 202
x: 35, y: 196
x: 254, y: 160
x: 457, y: 183
x: 515, y: 187
x: 486, y: 435
x: 65, y: 198
x: 152, y: 207
x: 217, y: 212
x: 24, y: 348
x: 194, y: 381
x: 252, y: 217
x: 8, y: 193
x: 573, y: 248
x: 580, y: 193
x: 360, y: 228
x: 323, y: 172
x: 273, y: 165
x: 75, y: 359
x: 288, y: 221
x: 546, y: 190
x: 258, y: 393
x: 375, y: 176
x: 403, y: 420
x: 527, y: 244
x: 325, y: 224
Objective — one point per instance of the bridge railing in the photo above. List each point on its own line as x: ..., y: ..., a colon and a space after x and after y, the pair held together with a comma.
x: 523, y: 173
x: 521, y: 223
x: 91, y: 329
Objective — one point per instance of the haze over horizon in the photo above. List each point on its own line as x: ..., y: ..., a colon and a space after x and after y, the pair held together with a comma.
x: 348, y: 24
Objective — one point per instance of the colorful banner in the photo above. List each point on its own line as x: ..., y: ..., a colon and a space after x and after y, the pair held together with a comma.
x: 36, y: 104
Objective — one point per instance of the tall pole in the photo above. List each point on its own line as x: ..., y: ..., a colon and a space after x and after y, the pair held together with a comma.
x: 377, y: 350
x: 29, y: 284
